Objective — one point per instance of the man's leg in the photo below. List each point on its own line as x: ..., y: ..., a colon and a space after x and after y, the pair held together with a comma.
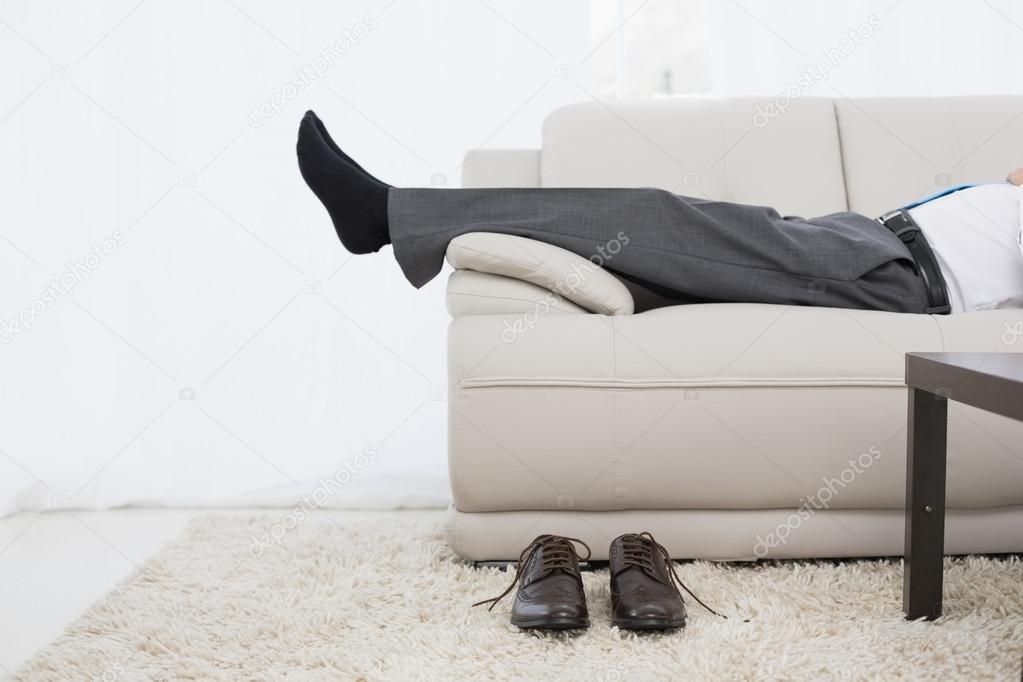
x: 699, y: 248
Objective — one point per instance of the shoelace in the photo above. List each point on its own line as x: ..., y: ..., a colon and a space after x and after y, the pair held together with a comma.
x: 559, y: 552
x: 639, y: 550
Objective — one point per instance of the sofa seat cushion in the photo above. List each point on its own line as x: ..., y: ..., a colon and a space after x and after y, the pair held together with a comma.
x: 695, y: 407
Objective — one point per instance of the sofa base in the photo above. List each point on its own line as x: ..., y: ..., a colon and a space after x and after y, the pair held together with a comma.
x: 734, y: 535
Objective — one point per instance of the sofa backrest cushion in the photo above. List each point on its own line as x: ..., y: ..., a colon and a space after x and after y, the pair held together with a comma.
x: 898, y: 149
x: 727, y: 149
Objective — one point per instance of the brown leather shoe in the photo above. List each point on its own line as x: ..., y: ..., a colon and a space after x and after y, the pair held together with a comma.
x: 644, y: 594
x: 550, y: 595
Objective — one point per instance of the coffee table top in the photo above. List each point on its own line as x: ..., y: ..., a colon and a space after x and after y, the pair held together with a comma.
x: 990, y: 381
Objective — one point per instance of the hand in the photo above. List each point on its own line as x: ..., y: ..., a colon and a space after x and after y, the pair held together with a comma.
x: 1015, y: 177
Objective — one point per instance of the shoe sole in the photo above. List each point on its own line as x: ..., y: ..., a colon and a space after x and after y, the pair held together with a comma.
x: 553, y: 624
x: 650, y: 624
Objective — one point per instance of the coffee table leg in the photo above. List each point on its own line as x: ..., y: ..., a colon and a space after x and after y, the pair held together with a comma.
x: 925, y: 505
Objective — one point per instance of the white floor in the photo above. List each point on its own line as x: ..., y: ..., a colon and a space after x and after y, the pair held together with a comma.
x: 54, y: 565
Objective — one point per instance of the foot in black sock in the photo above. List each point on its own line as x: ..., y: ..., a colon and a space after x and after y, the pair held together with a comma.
x: 355, y: 200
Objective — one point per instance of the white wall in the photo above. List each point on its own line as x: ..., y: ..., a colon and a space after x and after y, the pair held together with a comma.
x: 916, y: 48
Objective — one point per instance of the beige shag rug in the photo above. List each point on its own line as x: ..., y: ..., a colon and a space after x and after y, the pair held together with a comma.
x: 387, y: 600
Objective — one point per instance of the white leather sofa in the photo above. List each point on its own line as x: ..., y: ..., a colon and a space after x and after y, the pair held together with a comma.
x: 582, y: 406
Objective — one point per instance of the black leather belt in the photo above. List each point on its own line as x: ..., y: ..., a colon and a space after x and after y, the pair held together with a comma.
x: 905, y: 228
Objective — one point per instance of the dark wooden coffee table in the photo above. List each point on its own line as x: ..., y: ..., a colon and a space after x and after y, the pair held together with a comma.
x: 990, y: 381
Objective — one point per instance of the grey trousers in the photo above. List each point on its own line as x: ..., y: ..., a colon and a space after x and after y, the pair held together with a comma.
x: 694, y: 249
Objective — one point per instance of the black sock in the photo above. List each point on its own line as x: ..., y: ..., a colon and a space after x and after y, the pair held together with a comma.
x: 355, y: 200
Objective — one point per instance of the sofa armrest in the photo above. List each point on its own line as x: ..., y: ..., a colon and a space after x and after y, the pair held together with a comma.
x: 563, y: 273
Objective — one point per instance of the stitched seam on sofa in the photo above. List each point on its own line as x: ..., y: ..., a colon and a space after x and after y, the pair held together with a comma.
x: 722, y: 157
x: 884, y: 382
x: 615, y: 470
x: 554, y: 308
x: 614, y: 349
x: 615, y: 488
x: 683, y: 381
x: 941, y: 332
x: 454, y: 465
x: 959, y: 139
x: 541, y: 267
x: 457, y: 352
x: 841, y: 156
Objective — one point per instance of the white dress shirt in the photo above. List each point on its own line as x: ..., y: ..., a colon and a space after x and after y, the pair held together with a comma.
x: 977, y: 238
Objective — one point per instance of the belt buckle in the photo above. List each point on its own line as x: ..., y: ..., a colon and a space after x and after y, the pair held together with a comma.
x: 906, y: 232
